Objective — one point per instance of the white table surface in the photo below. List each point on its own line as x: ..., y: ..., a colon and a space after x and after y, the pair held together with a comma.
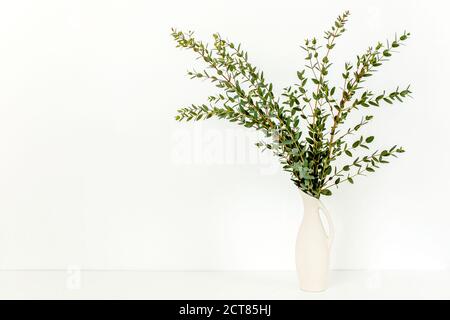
x: 74, y: 284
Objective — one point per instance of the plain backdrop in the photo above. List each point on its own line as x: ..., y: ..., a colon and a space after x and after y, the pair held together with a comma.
x: 95, y: 172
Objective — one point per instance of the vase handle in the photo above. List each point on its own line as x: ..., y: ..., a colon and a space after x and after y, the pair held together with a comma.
x: 330, y: 223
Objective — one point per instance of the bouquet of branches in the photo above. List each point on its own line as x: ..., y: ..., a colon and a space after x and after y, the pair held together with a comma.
x: 304, y: 126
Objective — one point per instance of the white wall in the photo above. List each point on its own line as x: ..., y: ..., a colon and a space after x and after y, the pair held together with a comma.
x: 95, y: 172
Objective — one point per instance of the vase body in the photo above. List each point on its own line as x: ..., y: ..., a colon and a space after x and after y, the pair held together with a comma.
x: 312, y: 252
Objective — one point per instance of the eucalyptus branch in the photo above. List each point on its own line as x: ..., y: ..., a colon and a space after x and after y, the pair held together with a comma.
x: 304, y: 124
x: 339, y: 141
x: 367, y: 98
x: 365, y: 164
x: 367, y: 64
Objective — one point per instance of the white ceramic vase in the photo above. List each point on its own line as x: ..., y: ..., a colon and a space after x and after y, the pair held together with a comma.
x: 312, y: 252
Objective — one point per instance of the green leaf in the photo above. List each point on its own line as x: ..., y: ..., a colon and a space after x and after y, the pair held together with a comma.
x: 287, y: 142
x: 326, y: 192
x: 387, y: 100
x: 386, y: 53
x: 370, y: 139
x: 332, y: 91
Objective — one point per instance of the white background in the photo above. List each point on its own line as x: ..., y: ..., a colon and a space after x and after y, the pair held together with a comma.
x: 95, y: 173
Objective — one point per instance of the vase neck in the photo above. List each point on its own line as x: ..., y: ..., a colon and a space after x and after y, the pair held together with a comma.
x: 310, y: 203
